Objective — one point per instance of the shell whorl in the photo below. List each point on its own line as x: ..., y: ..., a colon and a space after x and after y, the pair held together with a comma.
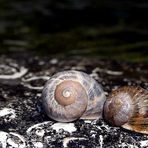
x: 67, y: 92
x: 128, y: 107
x: 70, y: 95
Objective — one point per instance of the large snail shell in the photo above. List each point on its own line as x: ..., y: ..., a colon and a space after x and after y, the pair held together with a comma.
x: 70, y: 95
x: 128, y: 107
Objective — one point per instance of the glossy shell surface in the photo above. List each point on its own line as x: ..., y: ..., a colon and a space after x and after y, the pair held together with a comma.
x: 128, y: 107
x: 70, y: 95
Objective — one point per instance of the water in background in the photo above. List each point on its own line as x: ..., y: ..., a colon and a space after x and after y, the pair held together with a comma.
x: 110, y: 29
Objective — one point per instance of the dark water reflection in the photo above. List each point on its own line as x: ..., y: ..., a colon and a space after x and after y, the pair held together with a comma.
x: 116, y: 29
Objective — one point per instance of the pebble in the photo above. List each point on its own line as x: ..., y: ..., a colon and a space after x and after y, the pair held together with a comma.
x: 69, y: 127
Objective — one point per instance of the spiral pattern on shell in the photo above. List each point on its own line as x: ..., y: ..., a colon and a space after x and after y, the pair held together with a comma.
x: 128, y: 107
x: 70, y: 95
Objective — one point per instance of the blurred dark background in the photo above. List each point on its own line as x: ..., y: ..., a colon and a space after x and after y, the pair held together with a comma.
x: 107, y: 29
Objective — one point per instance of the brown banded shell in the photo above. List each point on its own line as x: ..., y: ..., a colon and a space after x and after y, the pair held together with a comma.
x: 128, y: 107
x: 71, y: 95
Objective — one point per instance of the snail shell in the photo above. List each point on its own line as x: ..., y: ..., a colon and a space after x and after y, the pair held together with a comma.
x: 128, y: 107
x: 71, y: 95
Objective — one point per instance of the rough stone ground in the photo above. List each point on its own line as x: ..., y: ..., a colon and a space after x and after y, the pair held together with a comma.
x: 23, y: 122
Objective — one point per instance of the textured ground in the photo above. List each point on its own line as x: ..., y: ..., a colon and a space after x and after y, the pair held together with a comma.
x: 23, y: 122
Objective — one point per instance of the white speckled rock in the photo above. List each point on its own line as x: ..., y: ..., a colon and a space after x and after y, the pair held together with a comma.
x: 23, y: 124
x: 11, y: 139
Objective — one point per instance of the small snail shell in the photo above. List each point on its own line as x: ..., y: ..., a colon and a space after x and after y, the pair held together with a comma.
x: 71, y: 95
x: 128, y: 107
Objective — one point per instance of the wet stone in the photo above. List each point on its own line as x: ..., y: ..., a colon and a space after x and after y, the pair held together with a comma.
x: 23, y: 122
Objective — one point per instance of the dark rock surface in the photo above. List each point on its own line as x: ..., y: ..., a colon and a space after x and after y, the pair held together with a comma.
x: 23, y: 122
